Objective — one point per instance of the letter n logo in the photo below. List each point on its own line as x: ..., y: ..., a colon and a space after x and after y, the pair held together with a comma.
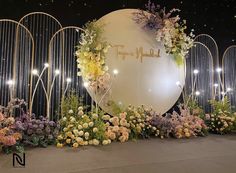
x: 18, y: 161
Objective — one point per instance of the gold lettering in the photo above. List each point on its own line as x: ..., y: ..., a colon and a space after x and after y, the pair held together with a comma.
x: 139, y: 53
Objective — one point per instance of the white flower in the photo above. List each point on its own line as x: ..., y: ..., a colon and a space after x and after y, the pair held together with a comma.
x: 94, y: 116
x: 95, y: 142
x: 70, y: 111
x: 81, y: 133
x: 80, y: 108
x: 85, y: 142
x: 91, y: 124
x: 64, y: 119
x: 85, y: 125
x: 95, y: 129
x: 90, y: 142
x: 105, y: 142
x: 86, y: 134
x: 80, y: 112
x: 80, y: 127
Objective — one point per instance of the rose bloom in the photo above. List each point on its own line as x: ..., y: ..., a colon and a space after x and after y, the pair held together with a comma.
x: 115, y: 129
x: 123, y: 115
x: 9, y: 141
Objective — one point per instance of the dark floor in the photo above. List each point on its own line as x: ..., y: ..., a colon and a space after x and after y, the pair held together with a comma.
x: 212, y: 154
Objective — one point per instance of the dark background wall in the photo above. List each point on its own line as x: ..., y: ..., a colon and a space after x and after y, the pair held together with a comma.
x: 214, y: 17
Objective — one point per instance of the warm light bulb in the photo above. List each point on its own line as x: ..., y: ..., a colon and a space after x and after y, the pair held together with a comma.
x: 57, y: 72
x: 115, y: 71
x: 10, y: 82
x: 68, y: 80
x: 46, y: 65
x: 218, y: 70
x: 223, y: 93
x: 195, y: 71
x: 197, y: 93
x: 216, y: 85
x: 229, y: 89
x: 178, y: 83
x: 35, y: 72
x: 86, y: 84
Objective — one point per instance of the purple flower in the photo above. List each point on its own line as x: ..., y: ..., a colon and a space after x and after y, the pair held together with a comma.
x: 50, y: 137
x: 41, y: 126
x: 47, y: 129
x: 35, y: 126
x: 29, y: 131
x: 51, y: 123
x: 39, y: 131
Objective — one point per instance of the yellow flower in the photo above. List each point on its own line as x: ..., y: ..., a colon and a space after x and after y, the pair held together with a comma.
x: 81, y: 133
x: 85, y: 125
x: 68, y: 141
x: 59, y: 145
x: 69, y: 134
x: 60, y: 137
x: 75, y: 145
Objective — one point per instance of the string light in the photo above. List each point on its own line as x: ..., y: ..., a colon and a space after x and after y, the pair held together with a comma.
x: 86, y: 84
x: 68, y: 80
x: 57, y: 72
x: 46, y: 65
x: 229, y: 89
x: 218, y: 70
x: 216, y: 85
x: 35, y: 72
x: 197, y: 93
x: 10, y: 82
x: 223, y: 93
x: 195, y: 71
x: 115, y: 71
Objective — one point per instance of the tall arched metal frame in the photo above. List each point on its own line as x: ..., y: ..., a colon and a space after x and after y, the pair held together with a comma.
x: 18, y: 28
x: 42, y: 27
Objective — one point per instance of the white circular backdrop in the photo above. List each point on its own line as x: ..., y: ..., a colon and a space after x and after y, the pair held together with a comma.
x: 147, y: 75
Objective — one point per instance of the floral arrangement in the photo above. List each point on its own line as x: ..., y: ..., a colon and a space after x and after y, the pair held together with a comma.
x: 90, y: 56
x: 23, y: 129
x: 36, y: 132
x: 79, y: 128
x: 9, y: 138
x: 222, y: 120
x: 139, y: 120
x: 118, y: 129
x: 183, y: 125
x: 169, y: 30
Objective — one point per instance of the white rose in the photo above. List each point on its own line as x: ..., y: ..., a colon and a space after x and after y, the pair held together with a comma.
x: 80, y: 113
x: 86, y: 134
x: 80, y: 127
x: 80, y: 108
x: 70, y: 111
x: 91, y: 124
x: 81, y: 133
x: 85, y: 125
x: 94, y: 116
x: 104, y: 142
x: 95, y: 129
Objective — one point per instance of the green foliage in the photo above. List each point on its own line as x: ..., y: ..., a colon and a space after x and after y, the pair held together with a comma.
x: 222, y: 120
x: 71, y: 102
x: 221, y: 106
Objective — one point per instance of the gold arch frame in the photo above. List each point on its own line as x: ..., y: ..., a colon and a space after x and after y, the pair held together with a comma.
x: 63, y: 56
x: 15, y: 48
x: 213, y: 95
x: 223, y: 58
x: 33, y: 58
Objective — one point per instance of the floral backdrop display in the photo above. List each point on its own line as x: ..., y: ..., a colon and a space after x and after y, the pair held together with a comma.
x: 142, y: 56
x: 137, y: 62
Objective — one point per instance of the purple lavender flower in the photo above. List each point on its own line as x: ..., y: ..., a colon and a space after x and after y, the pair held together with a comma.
x: 51, y: 123
x: 41, y: 126
x: 29, y: 131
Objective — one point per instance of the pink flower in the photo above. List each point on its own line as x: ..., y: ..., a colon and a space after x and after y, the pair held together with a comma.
x: 1, y: 117
x: 9, y: 141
